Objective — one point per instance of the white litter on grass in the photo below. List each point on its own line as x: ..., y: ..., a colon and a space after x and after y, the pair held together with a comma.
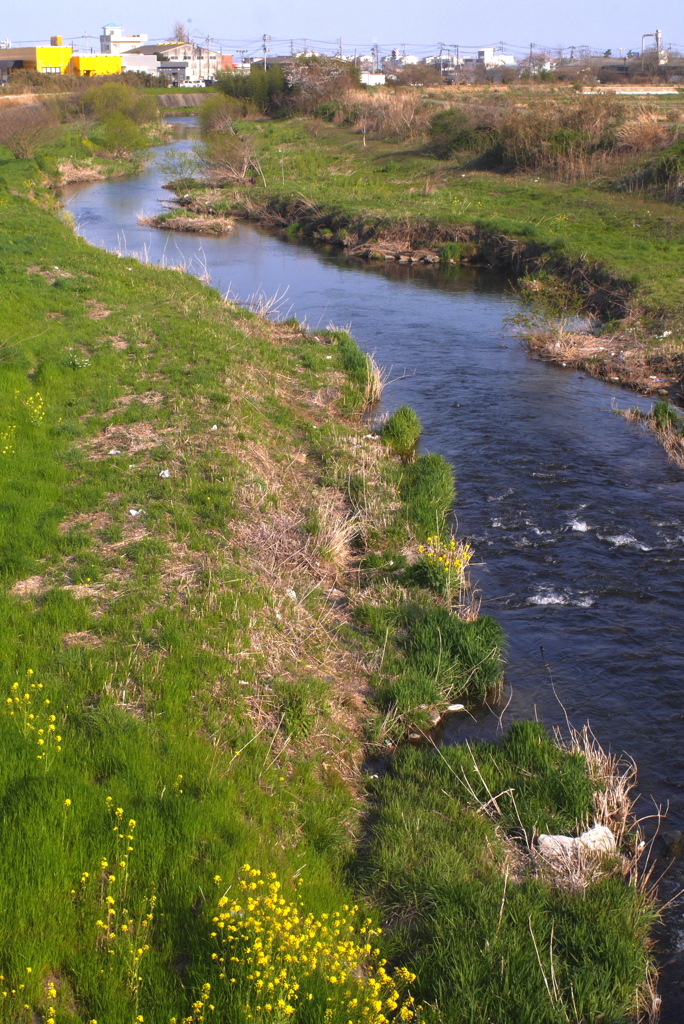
x: 328, y: 357
x: 132, y: 465
x: 598, y: 839
x: 371, y: 437
x: 243, y: 682
x: 114, y: 451
x: 456, y: 707
x: 135, y: 511
x: 291, y: 594
x: 215, y: 427
x: 278, y: 616
x: 165, y: 474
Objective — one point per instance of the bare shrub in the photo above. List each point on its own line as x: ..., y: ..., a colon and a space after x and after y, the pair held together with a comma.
x: 317, y: 81
x: 218, y: 112
x: 229, y: 158
x: 25, y: 129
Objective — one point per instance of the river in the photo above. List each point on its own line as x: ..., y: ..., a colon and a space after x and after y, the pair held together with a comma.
x: 577, y: 516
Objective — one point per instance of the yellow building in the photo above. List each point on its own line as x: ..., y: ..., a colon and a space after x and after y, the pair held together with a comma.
x: 96, y: 64
x: 50, y: 60
x: 61, y: 60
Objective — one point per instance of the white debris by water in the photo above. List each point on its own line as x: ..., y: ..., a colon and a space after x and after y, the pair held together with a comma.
x: 561, y: 849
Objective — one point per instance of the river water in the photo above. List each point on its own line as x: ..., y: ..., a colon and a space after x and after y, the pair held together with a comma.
x: 577, y: 516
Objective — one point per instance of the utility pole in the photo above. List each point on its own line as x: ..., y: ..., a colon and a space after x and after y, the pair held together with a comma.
x: 441, y: 63
x: 376, y: 55
x: 531, y: 48
x: 242, y: 57
x: 264, y: 46
x: 339, y: 51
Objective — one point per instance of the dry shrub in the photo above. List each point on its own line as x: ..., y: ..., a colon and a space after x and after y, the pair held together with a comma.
x: 643, y: 132
x: 401, y: 115
x: 24, y: 129
x: 319, y: 80
x: 335, y: 530
x: 229, y: 158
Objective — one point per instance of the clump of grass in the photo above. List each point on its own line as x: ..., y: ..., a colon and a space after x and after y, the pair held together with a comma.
x: 487, y: 941
x: 431, y: 657
x: 427, y: 492
x: 402, y: 431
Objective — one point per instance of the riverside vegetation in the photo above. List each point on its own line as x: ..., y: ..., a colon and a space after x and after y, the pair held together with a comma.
x: 220, y: 590
x: 578, y: 196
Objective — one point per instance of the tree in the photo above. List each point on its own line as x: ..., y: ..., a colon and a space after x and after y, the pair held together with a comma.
x: 121, y: 137
x: 25, y: 129
x: 180, y: 33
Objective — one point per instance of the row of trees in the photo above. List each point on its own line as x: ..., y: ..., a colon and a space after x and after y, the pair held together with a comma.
x: 113, y: 112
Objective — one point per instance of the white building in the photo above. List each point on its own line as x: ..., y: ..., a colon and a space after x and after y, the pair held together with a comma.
x: 490, y: 59
x: 199, y: 63
x: 113, y: 40
x: 140, y: 62
x: 369, y: 78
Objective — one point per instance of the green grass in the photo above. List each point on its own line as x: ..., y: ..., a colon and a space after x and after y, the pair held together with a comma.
x: 437, y: 867
x: 190, y: 689
x: 152, y: 691
x: 401, y: 431
x: 430, y: 656
x: 639, y: 241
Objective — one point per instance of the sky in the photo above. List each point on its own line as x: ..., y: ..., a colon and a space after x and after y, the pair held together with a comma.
x: 419, y: 27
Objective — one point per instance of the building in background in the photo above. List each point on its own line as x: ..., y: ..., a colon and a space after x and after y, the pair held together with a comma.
x: 202, y: 64
x: 142, y: 63
x: 491, y: 59
x: 58, y: 59
x: 90, y: 64
x: 113, y: 40
x: 49, y: 60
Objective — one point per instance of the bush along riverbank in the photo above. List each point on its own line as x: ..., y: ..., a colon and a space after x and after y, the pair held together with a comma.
x: 221, y: 590
x: 582, y: 244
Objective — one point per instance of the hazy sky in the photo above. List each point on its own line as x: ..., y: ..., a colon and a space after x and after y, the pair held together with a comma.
x: 418, y: 25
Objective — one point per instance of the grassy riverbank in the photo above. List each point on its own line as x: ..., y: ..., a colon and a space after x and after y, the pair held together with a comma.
x: 217, y: 595
x: 580, y: 243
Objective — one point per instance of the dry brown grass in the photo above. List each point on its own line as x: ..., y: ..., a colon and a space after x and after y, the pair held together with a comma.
x: 33, y: 586
x: 643, y: 132
x: 209, y: 224
x: 128, y: 438
x: 83, y: 639
x: 71, y: 172
x: 96, y: 310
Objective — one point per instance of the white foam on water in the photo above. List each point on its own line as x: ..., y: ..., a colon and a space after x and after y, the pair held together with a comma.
x: 501, y: 497
x: 578, y: 525
x: 549, y: 596
x: 626, y: 540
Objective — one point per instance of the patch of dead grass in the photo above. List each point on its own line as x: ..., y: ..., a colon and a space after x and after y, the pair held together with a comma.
x: 83, y: 639
x: 96, y: 310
